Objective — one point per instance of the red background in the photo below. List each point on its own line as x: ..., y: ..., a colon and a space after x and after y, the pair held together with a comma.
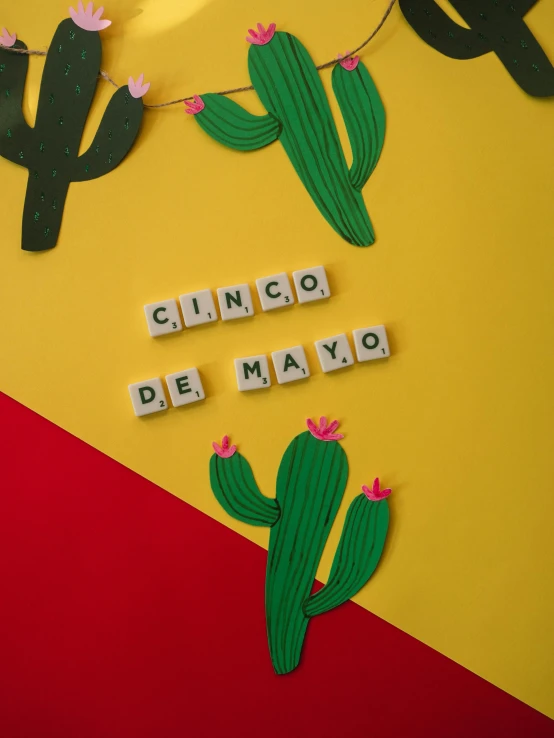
x: 126, y: 612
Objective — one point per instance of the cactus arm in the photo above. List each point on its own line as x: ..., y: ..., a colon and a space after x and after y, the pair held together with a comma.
x: 233, y: 126
x: 358, y: 553
x: 525, y: 60
x: 364, y: 116
x: 310, y: 484
x: 437, y: 29
x: 15, y: 133
x: 288, y: 84
x: 512, y: 41
x: 236, y: 491
x: 497, y: 27
x: 115, y: 136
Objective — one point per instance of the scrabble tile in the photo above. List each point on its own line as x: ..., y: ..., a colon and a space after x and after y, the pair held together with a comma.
x: 148, y: 396
x: 371, y: 343
x: 185, y: 387
x: 290, y: 364
x: 252, y: 373
x: 235, y: 302
x: 334, y: 353
x: 311, y: 284
x: 275, y: 291
x: 198, y: 307
x: 163, y: 317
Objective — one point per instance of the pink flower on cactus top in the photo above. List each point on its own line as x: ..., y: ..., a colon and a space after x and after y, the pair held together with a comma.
x: 138, y: 89
x: 194, y: 106
x: 324, y: 432
x: 6, y: 39
x: 261, y: 36
x: 225, y: 451
x: 375, y: 493
x: 348, y: 63
x: 86, y: 20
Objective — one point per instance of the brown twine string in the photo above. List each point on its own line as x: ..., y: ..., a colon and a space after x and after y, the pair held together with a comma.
x: 331, y: 63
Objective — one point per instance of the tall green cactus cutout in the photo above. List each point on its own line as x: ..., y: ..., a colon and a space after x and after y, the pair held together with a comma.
x: 50, y: 149
x: 310, y: 485
x: 494, y: 25
x: 299, y: 116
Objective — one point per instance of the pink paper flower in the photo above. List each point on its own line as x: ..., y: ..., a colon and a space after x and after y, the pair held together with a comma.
x: 194, y: 106
x: 324, y: 432
x: 138, y: 89
x: 6, y: 39
x: 261, y: 37
x: 225, y: 451
x: 348, y: 63
x: 375, y: 494
x: 86, y: 20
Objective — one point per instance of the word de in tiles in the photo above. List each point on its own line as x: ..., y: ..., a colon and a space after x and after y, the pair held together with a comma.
x: 184, y: 388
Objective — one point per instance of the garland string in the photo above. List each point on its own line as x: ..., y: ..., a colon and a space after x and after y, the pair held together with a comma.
x: 325, y: 65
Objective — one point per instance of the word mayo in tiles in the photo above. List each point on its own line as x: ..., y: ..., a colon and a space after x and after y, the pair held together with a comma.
x: 236, y: 301
x: 253, y: 372
x: 333, y: 353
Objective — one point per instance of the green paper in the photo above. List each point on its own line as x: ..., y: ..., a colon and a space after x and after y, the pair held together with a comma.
x: 235, y: 127
x: 288, y: 84
x: 493, y: 26
x: 364, y: 116
x: 50, y: 149
x: 235, y: 489
x: 362, y: 540
x: 311, y: 481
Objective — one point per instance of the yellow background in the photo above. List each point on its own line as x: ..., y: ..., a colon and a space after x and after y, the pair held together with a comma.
x: 458, y: 421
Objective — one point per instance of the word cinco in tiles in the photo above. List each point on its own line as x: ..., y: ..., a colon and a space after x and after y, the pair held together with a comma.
x: 236, y: 301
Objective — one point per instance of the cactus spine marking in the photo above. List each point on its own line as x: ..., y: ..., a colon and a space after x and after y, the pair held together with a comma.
x: 494, y: 25
x: 50, y: 149
x: 299, y: 116
x: 311, y: 481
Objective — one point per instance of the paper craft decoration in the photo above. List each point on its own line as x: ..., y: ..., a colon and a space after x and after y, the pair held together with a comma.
x: 50, y: 150
x: 299, y: 116
x: 311, y: 481
x: 493, y: 26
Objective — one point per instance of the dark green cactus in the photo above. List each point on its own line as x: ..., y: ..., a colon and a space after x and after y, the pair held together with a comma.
x: 310, y: 485
x: 299, y: 116
x: 50, y: 149
x: 494, y: 25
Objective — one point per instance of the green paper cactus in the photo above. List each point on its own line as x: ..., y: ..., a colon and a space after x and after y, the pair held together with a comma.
x: 299, y: 116
x: 494, y: 26
x: 50, y: 149
x: 311, y: 481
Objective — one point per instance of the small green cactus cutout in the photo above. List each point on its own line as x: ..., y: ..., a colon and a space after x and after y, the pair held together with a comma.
x: 50, y: 149
x: 311, y: 481
x: 299, y: 116
x: 494, y: 25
